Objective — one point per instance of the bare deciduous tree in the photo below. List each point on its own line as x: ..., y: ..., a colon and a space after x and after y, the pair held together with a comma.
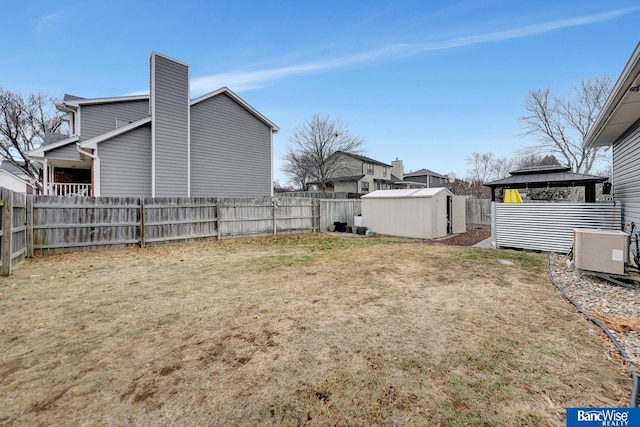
x: 562, y: 123
x: 298, y: 168
x: 24, y: 120
x: 312, y: 149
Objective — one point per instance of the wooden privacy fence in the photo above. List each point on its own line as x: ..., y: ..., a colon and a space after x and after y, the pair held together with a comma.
x: 53, y: 224
x: 478, y: 211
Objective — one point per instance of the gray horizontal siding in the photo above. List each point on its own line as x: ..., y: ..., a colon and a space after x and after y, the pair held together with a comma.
x: 230, y: 150
x: 549, y: 226
x: 101, y: 118
x: 125, y: 164
x: 626, y: 175
x: 170, y: 103
x: 66, y: 152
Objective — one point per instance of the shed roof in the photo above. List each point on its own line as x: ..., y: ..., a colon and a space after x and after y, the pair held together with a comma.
x: 407, y: 193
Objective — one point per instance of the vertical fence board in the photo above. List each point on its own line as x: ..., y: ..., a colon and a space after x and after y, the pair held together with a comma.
x: 338, y: 210
x: 7, y: 216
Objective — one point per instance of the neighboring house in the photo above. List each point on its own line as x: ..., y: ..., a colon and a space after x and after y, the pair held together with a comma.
x: 160, y: 145
x: 358, y: 174
x: 15, y: 179
x: 429, y: 178
x: 402, y: 181
x: 618, y: 125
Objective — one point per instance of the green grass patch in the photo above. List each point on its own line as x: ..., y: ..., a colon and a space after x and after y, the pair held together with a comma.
x: 529, y: 261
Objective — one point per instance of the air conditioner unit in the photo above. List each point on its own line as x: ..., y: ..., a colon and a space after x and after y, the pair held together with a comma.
x: 603, y: 251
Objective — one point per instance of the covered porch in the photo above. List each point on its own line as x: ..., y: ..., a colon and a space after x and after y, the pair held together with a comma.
x: 62, y: 177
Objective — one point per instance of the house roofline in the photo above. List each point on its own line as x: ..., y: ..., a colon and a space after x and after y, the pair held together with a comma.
x: 2, y: 171
x: 93, y: 142
x: 162, y: 55
x: 240, y: 101
x: 79, y: 102
x: 629, y: 76
x: 39, y: 152
x: 363, y: 158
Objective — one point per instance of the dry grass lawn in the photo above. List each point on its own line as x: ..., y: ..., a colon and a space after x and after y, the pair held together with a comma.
x: 306, y: 330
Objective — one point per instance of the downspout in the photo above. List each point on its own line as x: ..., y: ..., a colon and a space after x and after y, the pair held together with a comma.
x: 96, y: 169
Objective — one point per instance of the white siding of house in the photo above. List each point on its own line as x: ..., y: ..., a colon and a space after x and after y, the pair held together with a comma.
x: 626, y: 175
x: 12, y: 182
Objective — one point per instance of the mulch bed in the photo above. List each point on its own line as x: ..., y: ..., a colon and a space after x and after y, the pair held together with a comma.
x: 474, y: 234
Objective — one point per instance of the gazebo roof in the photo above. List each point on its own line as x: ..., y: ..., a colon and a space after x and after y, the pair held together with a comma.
x: 545, y: 176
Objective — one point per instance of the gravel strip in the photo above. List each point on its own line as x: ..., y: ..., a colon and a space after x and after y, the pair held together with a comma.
x: 617, y: 307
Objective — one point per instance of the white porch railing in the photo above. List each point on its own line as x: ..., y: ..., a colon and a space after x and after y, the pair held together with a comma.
x: 68, y: 189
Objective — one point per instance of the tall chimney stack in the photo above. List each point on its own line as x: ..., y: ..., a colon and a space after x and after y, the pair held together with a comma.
x: 397, y: 168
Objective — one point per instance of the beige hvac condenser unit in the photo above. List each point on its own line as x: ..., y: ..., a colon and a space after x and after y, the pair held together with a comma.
x: 603, y: 251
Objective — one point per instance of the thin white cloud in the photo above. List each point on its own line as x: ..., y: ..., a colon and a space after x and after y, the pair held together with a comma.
x: 243, y: 81
x: 48, y: 21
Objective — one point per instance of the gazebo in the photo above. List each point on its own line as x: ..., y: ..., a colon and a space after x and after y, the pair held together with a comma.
x: 550, y: 176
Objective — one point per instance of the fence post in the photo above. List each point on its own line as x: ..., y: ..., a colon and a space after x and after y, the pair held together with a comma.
x: 218, y: 217
x: 142, y: 227
x: 273, y: 209
x: 29, y: 224
x: 315, y: 214
x: 7, y: 227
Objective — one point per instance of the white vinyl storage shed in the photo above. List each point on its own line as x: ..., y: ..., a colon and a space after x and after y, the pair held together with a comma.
x: 426, y: 213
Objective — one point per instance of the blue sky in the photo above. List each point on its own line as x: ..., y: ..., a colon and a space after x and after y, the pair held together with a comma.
x: 427, y: 82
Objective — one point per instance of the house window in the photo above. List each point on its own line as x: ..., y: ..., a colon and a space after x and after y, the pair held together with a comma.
x: 384, y: 171
x: 370, y: 168
x: 364, y: 187
x: 377, y: 186
x: 122, y: 122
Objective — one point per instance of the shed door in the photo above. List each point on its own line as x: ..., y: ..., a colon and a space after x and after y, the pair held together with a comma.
x: 459, y: 214
x: 440, y: 228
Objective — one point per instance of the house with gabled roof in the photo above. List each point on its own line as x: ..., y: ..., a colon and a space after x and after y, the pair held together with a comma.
x: 164, y: 144
x: 14, y: 178
x: 361, y: 174
x: 428, y: 177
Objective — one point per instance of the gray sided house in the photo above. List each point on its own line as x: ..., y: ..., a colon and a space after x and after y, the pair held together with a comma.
x: 160, y: 145
x: 618, y: 126
x: 429, y: 178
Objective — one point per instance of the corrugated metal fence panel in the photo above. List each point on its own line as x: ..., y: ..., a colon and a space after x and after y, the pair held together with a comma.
x: 338, y: 210
x: 549, y: 227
